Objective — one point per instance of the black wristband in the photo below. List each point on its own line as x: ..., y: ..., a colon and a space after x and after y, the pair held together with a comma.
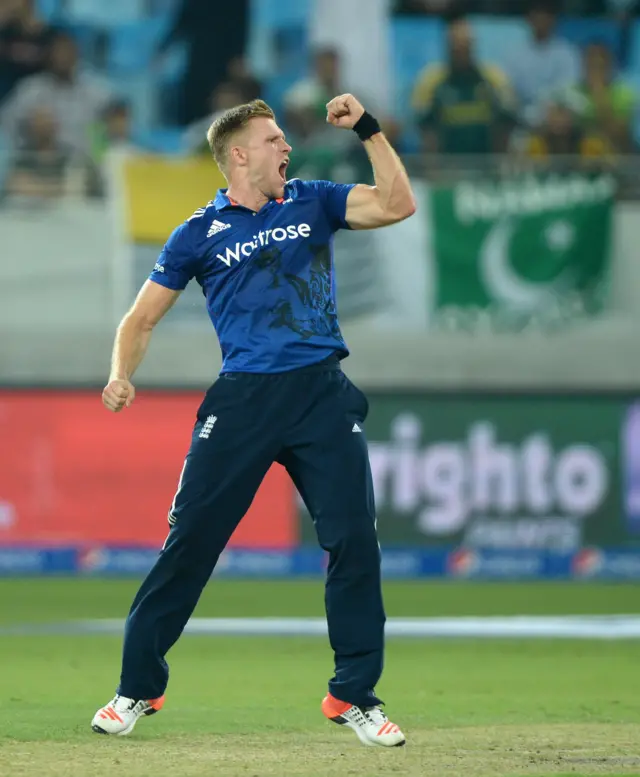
x: 366, y: 126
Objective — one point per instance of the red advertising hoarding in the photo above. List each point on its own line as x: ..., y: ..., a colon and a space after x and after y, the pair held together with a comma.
x: 71, y: 472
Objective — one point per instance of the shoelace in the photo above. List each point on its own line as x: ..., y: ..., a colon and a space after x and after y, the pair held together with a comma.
x: 375, y: 715
x: 122, y: 704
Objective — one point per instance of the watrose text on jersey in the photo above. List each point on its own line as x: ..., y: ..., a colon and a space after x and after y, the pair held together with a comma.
x: 262, y: 239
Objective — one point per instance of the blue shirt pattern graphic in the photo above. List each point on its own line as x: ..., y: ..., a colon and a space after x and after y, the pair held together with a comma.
x: 267, y: 276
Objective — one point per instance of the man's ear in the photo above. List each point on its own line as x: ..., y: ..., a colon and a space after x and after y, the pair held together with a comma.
x: 238, y: 156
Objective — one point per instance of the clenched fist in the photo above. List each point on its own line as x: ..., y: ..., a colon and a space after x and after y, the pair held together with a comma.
x: 117, y: 394
x: 344, y: 111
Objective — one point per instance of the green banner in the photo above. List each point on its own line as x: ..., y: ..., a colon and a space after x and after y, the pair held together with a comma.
x: 521, y: 251
x: 536, y: 472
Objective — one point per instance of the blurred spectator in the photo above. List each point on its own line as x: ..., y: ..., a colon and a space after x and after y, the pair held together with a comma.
x: 608, y: 102
x: 318, y: 150
x: 117, y: 124
x: 75, y: 99
x: 240, y: 75
x: 562, y: 137
x: 214, y: 37
x: 113, y: 130
x: 358, y: 30
x: 312, y: 94
x: 24, y: 42
x: 40, y: 168
x: 544, y: 64
x: 226, y: 95
x: 241, y: 87
x: 463, y: 107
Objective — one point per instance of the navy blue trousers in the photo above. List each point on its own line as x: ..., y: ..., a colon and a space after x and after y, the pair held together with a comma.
x: 307, y: 420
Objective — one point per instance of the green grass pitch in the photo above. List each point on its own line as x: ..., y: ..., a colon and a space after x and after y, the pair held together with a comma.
x: 249, y: 707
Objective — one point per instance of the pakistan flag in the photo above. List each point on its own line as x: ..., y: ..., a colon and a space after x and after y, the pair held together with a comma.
x: 519, y: 250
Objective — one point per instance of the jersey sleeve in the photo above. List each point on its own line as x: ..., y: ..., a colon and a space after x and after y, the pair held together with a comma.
x: 333, y: 197
x: 176, y: 264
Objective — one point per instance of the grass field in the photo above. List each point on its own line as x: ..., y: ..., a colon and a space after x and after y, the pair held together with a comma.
x: 250, y: 706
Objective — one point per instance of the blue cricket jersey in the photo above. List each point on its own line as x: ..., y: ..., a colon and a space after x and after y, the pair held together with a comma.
x: 268, y: 276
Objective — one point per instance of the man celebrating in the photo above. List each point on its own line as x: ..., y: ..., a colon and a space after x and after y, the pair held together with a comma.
x: 262, y: 252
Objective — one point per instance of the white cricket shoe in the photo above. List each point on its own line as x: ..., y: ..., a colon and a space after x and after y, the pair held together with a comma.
x: 121, y: 715
x: 371, y: 725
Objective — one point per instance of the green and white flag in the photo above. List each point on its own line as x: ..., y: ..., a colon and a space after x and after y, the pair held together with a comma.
x: 527, y: 253
x: 522, y: 250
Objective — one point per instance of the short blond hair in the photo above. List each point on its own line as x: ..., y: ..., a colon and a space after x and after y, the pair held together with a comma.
x: 232, y: 121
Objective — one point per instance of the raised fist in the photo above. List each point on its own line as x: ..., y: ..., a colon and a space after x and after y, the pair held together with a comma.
x: 344, y: 111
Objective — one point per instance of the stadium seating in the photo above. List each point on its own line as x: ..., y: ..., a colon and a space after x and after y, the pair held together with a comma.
x: 132, y: 45
x: 496, y: 39
x: 581, y: 31
x: 48, y: 9
x: 121, y: 36
x: 105, y: 14
x: 414, y: 44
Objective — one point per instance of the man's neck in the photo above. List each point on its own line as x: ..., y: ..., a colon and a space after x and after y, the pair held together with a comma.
x: 247, y: 197
x: 541, y: 40
x: 63, y: 78
x: 462, y: 68
x: 45, y: 149
x: 330, y: 85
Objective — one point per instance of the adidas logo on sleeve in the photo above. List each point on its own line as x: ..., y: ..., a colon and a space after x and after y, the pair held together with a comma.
x: 217, y: 226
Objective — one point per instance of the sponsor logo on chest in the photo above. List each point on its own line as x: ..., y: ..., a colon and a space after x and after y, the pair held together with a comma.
x: 263, y: 238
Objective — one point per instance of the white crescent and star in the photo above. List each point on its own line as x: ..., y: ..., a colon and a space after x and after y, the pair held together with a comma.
x: 501, y: 280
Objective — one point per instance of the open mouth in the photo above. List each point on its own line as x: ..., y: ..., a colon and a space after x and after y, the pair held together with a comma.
x: 282, y: 170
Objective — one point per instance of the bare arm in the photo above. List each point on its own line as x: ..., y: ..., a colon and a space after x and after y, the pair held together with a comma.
x: 132, y: 340
x: 391, y: 199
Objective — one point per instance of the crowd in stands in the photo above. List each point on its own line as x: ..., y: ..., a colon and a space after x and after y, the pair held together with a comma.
x: 551, y: 102
x: 60, y: 113
x: 600, y: 8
